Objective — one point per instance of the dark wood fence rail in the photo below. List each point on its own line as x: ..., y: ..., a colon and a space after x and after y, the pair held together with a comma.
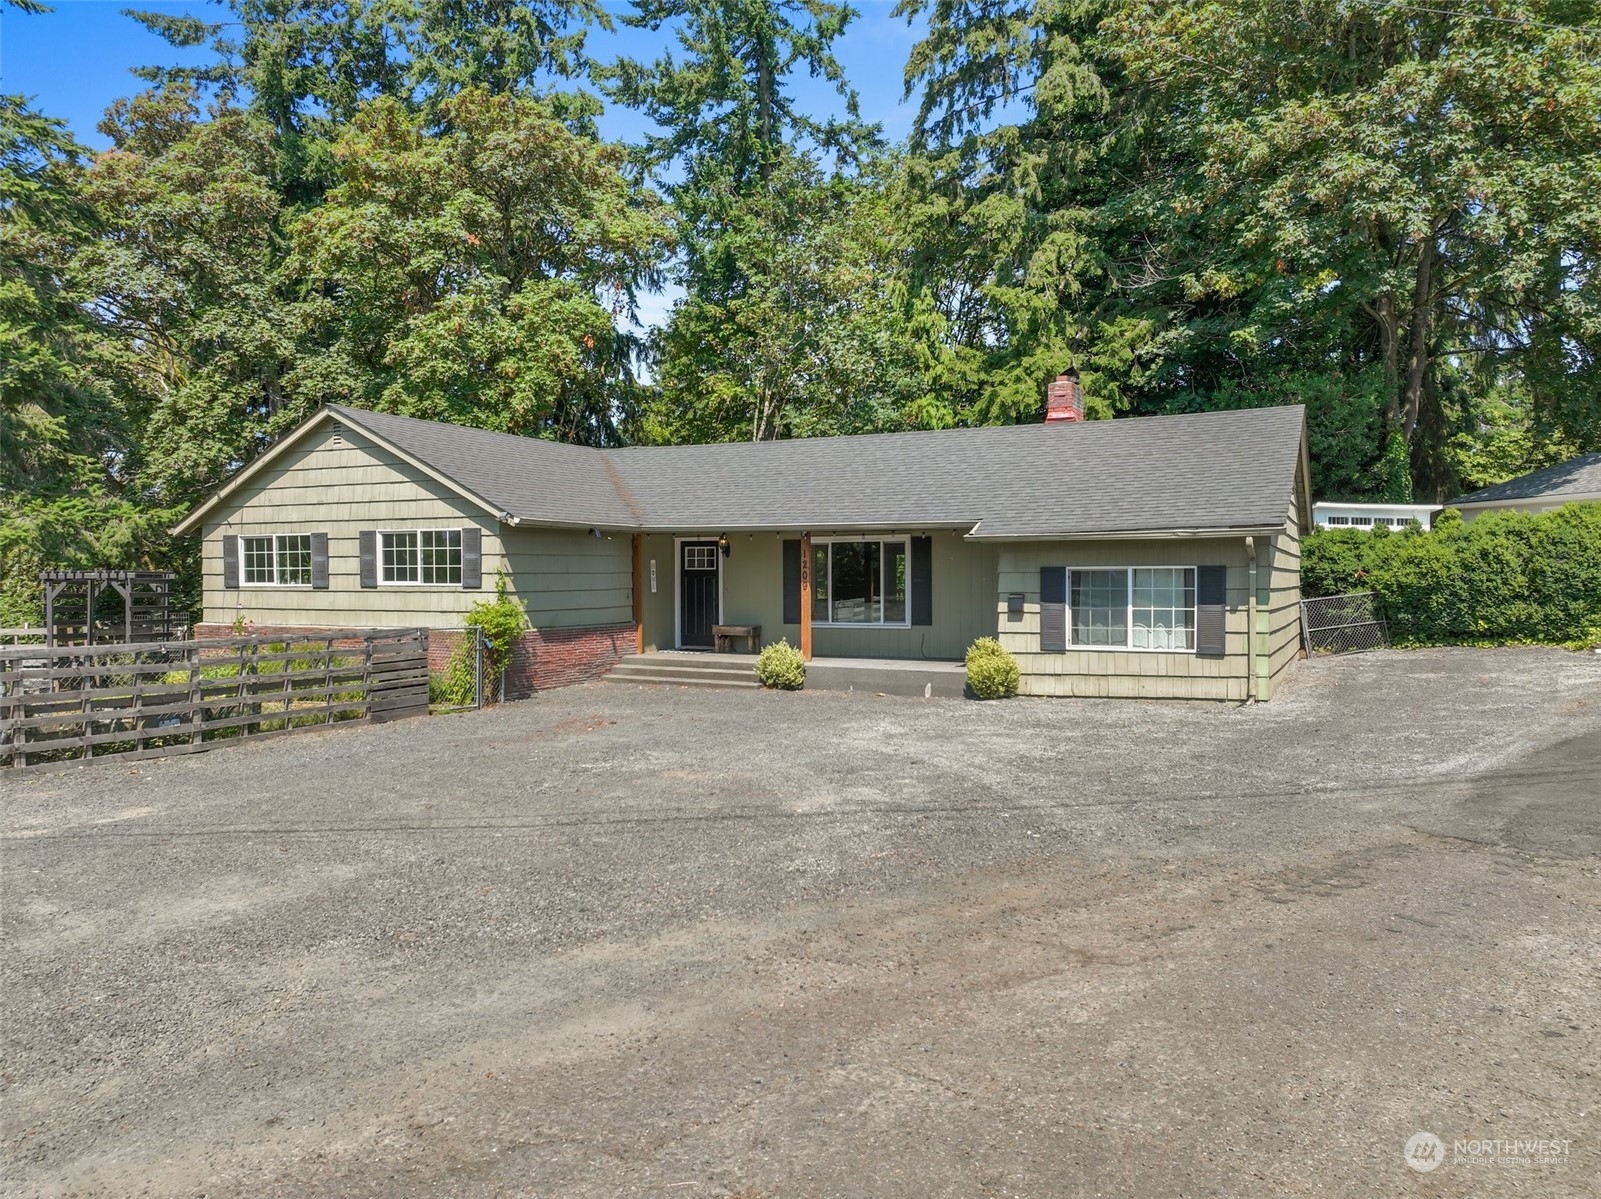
x: 60, y: 705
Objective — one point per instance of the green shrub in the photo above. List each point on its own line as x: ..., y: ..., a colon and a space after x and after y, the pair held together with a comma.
x: 453, y: 685
x: 1506, y: 577
x: 781, y: 667
x: 503, y: 619
x: 991, y: 670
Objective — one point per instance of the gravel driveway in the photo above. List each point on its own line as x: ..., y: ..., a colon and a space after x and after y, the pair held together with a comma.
x: 657, y: 942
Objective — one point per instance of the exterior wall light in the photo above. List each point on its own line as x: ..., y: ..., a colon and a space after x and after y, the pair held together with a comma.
x: 722, y: 544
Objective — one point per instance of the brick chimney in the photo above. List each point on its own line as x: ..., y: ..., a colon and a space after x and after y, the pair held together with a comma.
x: 1064, y: 398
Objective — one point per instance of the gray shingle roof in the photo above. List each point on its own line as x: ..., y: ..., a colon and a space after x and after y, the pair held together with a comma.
x: 1204, y: 471
x: 543, y: 482
x: 1578, y: 479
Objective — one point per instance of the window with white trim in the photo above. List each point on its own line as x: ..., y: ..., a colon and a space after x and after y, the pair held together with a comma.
x: 1136, y: 607
x: 857, y: 582
x: 1098, y: 601
x: 1162, y: 611
x: 278, y: 560
x: 420, y: 556
x: 700, y: 557
x: 1339, y: 520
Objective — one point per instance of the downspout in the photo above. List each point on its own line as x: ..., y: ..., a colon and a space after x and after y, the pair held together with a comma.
x: 1250, y: 609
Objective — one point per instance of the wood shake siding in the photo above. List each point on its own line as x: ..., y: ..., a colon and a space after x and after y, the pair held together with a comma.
x: 1279, y: 611
x: 569, y: 578
x: 1149, y: 674
x: 340, y: 483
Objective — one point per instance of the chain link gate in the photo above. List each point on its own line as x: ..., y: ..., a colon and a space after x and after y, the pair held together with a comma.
x: 1343, y: 624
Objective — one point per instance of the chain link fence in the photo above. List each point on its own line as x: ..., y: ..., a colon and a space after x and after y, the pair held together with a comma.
x: 1343, y: 624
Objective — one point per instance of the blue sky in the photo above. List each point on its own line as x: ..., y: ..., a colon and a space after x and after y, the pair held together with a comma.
x: 75, y: 61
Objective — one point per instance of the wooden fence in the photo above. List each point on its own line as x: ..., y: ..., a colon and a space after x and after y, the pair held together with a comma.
x: 60, y: 705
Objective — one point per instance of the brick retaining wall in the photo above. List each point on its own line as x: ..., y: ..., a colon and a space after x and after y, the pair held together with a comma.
x: 546, y: 658
x: 542, y: 659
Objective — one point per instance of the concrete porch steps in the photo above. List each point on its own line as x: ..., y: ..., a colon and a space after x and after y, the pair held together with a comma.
x: 686, y: 670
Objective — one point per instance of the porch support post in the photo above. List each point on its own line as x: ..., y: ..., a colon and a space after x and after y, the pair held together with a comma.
x: 806, y: 597
x: 639, y: 593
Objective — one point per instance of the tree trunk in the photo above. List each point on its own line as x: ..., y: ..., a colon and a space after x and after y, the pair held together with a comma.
x: 1390, y: 348
x: 765, y: 425
x: 1418, y: 356
x: 764, y: 107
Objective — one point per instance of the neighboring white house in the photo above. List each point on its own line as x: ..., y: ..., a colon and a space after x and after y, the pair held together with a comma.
x: 1327, y: 514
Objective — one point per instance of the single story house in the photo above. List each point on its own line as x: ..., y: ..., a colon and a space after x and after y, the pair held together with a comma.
x: 1336, y: 514
x: 1156, y: 556
x: 1577, y: 480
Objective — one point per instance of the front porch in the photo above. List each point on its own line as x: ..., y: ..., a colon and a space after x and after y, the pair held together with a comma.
x: 894, y: 596
x: 880, y: 676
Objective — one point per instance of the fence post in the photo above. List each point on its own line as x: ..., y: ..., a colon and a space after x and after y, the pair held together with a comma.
x: 197, y: 711
x: 242, y: 707
x: 86, y: 704
x: 11, y: 688
x: 328, y: 691
x: 478, y: 666
x: 139, y: 739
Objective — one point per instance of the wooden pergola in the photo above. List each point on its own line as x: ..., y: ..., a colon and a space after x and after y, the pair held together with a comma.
x: 98, y: 607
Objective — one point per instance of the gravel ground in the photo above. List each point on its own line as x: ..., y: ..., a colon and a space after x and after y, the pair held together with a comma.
x: 656, y: 942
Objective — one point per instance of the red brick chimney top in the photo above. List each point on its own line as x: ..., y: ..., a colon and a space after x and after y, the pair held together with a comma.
x: 1064, y: 399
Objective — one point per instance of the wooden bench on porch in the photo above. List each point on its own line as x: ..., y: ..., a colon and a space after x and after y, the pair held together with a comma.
x: 724, y: 636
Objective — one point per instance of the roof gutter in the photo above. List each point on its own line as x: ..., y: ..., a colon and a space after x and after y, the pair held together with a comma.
x: 818, y: 528
x: 1131, y: 534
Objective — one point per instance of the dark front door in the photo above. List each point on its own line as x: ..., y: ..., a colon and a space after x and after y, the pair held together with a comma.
x: 698, y: 563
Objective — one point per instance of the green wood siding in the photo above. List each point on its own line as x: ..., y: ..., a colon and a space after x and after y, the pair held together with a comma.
x: 1281, y: 618
x: 341, y: 483
x: 569, y: 578
x: 1130, y: 673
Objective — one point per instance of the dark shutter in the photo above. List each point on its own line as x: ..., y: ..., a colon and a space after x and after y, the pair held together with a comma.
x: 368, y: 540
x: 1211, y: 610
x: 1053, y: 609
x: 792, y: 573
x: 230, y: 562
x: 319, y: 561
x: 472, y: 559
x: 922, y: 580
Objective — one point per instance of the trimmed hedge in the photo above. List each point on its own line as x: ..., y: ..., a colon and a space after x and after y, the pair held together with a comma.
x: 1504, y: 577
x: 780, y: 667
x: 991, y: 670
